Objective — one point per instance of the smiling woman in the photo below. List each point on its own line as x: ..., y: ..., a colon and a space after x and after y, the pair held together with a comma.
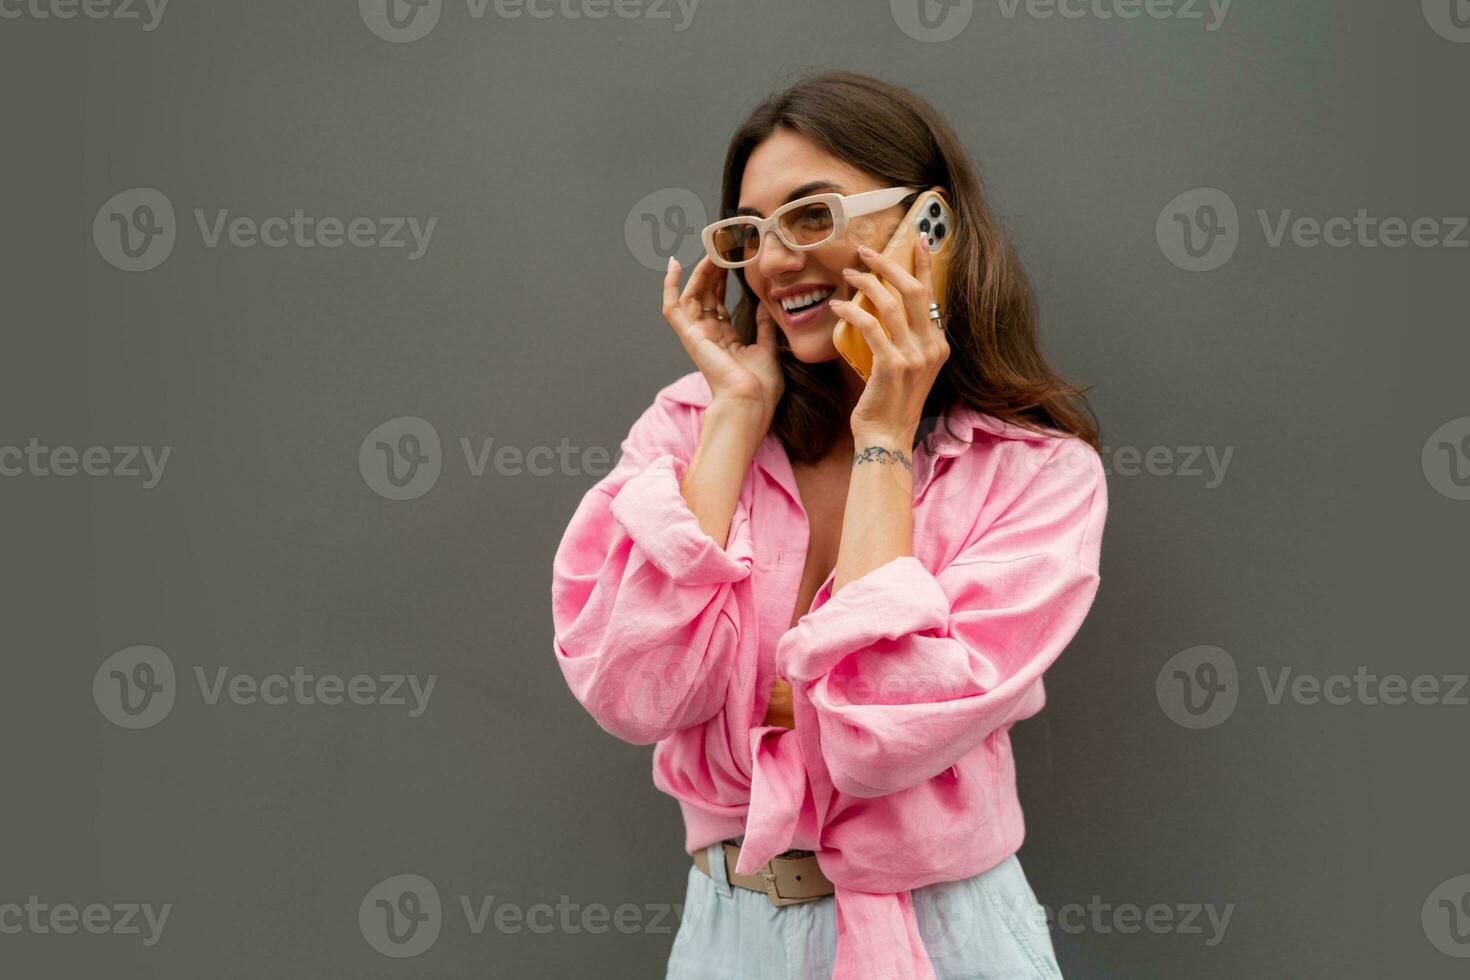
x: 861, y: 134
x: 827, y: 599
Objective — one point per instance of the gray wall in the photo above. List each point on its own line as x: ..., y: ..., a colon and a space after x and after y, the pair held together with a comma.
x: 1333, y: 543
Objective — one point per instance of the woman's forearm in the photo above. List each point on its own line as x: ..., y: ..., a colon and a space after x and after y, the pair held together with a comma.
x: 878, y: 522
x: 732, y: 432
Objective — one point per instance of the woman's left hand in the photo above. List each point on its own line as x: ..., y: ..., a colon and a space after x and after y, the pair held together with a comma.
x: 907, y: 357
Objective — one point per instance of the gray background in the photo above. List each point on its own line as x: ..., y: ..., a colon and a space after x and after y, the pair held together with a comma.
x: 530, y: 320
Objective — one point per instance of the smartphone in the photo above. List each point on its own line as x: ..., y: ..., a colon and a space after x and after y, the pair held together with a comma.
x: 929, y: 224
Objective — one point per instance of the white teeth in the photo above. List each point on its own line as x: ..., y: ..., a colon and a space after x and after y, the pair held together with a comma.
x: 804, y: 299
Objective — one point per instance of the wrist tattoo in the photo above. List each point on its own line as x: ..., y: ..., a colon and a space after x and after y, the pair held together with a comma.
x: 877, y: 454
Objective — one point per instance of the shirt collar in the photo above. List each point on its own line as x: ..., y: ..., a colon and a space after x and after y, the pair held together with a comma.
x: 965, y: 427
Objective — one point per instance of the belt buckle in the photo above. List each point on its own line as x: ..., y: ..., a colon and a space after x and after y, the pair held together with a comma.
x: 768, y: 873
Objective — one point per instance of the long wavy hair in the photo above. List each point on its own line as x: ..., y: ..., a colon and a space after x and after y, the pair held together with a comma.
x: 995, y: 363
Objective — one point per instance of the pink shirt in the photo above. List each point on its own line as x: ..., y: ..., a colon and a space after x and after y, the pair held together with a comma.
x: 905, y: 683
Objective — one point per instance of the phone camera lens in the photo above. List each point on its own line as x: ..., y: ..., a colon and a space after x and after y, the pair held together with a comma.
x: 939, y: 230
x: 933, y: 209
x: 924, y: 225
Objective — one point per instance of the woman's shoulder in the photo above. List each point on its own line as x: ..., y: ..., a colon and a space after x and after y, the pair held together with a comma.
x: 1009, y: 452
x: 672, y: 420
x: 691, y: 390
x: 963, y: 426
x: 1047, y: 486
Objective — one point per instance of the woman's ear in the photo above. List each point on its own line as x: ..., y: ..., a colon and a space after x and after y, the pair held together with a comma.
x: 941, y: 189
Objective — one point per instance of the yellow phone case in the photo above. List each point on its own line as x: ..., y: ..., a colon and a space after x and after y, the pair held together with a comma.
x: 936, y: 229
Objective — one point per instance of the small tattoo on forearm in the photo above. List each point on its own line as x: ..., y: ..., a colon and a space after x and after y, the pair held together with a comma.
x: 877, y: 454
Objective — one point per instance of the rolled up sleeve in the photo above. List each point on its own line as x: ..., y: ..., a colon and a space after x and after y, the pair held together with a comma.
x: 908, y: 670
x: 653, y: 513
x: 647, y: 608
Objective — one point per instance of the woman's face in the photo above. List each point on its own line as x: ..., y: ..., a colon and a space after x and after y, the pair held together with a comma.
x: 785, y: 167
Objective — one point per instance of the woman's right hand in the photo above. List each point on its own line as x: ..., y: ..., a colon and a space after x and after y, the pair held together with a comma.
x: 736, y: 372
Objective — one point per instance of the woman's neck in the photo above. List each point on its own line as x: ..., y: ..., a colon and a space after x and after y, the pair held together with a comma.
x: 852, y: 385
x: 852, y: 390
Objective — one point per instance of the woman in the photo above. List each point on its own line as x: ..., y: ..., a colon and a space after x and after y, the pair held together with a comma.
x: 827, y: 601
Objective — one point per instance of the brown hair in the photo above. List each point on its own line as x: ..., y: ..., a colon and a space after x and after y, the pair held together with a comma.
x: 995, y: 364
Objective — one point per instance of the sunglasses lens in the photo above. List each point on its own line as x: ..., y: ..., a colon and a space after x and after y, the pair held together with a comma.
x: 737, y: 243
x: 808, y: 225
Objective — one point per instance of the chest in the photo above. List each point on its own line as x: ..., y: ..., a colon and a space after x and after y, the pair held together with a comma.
x: 823, y: 488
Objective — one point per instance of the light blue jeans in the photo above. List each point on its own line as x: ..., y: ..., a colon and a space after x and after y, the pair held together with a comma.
x: 989, y: 927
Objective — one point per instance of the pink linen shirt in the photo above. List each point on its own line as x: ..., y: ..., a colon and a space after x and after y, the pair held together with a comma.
x: 904, y: 684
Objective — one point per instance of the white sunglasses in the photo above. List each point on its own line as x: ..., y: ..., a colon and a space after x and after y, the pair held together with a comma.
x: 803, y: 224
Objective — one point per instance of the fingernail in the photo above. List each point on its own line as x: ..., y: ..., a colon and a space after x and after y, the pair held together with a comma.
x: 849, y: 272
x: 670, y: 265
x: 865, y: 250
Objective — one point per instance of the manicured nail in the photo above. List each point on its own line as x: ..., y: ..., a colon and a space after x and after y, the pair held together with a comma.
x: 670, y: 266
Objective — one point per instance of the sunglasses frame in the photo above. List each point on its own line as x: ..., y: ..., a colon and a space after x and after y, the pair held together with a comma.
x: 843, y: 207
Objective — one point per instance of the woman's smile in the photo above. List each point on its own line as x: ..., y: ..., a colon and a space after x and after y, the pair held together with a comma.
x: 804, y: 304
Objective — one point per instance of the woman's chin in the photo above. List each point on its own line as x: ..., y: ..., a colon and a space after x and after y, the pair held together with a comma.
x: 813, y: 344
x: 813, y: 350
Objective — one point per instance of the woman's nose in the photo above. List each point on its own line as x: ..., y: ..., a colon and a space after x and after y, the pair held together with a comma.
x: 776, y: 257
